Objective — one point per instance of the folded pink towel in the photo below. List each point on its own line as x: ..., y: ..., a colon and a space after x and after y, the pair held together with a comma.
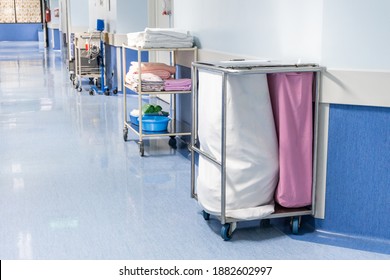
x: 178, y: 82
x: 178, y: 88
x: 163, y: 74
x: 154, y: 66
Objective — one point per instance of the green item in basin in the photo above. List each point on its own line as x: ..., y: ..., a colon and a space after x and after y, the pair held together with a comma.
x: 150, y: 109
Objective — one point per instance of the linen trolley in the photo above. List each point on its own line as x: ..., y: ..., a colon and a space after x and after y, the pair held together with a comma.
x: 173, y: 127
x: 254, y: 141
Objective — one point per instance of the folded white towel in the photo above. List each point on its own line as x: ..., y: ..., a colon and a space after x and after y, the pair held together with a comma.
x: 173, y: 32
x: 165, y: 44
x: 134, y: 38
x: 160, y: 38
x: 145, y: 77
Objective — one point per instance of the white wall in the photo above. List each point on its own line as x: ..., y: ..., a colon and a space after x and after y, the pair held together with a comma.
x: 356, y: 34
x: 54, y: 4
x: 98, y: 10
x: 79, y: 15
x: 278, y: 29
x: 132, y: 15
x: 120, y: 16
x: 348, y: 34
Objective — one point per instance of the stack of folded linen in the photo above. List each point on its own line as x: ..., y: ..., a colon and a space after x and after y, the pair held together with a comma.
x: 177, y: 84
x: 149, y: 82
x: 164, y: 71
x: 161, y: 38
x: 134, y: 38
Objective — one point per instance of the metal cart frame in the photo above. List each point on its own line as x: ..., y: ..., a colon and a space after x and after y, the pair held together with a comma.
x: 175, y: 127
x: 228, y: 224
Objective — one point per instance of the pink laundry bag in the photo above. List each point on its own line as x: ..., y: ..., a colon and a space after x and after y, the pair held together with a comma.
x: 292, y: 103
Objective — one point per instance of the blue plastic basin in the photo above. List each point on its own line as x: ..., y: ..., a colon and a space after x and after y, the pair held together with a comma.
x: 155, y: 123
x: 134, y: 119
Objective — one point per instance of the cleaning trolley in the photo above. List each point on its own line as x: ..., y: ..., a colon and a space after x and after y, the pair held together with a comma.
x: 254, y: 141
x: 89, y: 60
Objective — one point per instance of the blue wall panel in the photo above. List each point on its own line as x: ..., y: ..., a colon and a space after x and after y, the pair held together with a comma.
x: 19, y: 31
x: 54, y: 39
x: 111, y: 67
x: 57, y: 45
x: 184, y: 101
x: 358, y: 177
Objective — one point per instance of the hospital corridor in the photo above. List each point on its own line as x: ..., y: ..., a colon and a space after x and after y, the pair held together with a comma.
x: 148, y: 130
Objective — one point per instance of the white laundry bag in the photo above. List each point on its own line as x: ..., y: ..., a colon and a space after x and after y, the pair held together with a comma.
x: 251, y: 146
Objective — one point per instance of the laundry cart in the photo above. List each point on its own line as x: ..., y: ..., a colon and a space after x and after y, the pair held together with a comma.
x: 254, y: 135
x: 89, y: 62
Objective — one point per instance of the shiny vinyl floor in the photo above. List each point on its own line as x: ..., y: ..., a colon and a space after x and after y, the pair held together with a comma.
x: 71, y: 188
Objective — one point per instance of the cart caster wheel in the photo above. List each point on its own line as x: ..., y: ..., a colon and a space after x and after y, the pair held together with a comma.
x: 206, y: 215
x: 125, y: 133
x: 115, y: 91
x: 107, y: 93
x: 295, y: 225
x: 98, y: 83
x: 172, y: 142
x: 265, y: 223
x: 79, y: 89
x: 76, y: 84
x: 141, y: 149
x: 226, y: 234
x: 91, y: 92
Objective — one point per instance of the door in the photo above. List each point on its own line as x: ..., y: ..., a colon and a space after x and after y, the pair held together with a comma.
x: 159, y: 19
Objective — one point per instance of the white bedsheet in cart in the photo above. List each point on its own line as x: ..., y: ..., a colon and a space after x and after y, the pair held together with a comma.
x: 251, y: 146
